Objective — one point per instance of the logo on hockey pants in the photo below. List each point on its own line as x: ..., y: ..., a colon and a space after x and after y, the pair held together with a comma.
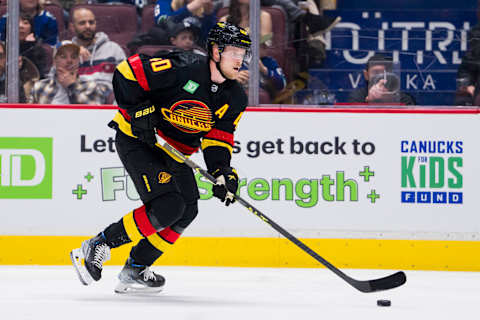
x: 164, y: 177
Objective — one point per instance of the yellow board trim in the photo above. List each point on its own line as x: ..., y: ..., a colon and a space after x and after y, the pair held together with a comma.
x: 131, y: 227
x: 214, y: 143
x: 126, y: 71
x: 264, y: 252
x: 158, y: 242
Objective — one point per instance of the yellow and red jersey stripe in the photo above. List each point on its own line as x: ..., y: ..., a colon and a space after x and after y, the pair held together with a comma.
x: 122, y: 119
x: 137, y: 225
x: 137, y: 67
x: 218, y: 138
x: 164, y: 239
x: 183, y: 148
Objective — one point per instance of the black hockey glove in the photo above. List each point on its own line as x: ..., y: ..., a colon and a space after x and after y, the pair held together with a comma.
x: 143, y: 121
x: 227, y: 184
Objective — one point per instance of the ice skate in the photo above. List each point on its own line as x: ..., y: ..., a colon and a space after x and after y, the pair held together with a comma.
x: 94, y: 253
x: 136, y: 278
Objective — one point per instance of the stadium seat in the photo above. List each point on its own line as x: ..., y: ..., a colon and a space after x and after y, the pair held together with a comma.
x: 148, y: 20
x: 119, y: 22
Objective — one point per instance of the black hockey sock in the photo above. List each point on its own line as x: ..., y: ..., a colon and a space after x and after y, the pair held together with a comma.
x: 144, y: 253
x: 116, y: 235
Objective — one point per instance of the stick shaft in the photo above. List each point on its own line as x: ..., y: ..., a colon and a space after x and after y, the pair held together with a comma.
x: 388, y: 282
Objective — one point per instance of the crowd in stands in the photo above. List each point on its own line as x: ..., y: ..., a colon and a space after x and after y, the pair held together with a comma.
x: 69, y: 48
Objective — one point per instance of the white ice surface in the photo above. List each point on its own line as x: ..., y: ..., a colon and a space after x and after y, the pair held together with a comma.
x: 198, y: 293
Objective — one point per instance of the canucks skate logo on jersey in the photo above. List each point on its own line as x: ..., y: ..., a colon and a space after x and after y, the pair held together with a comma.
x: 189, y: 116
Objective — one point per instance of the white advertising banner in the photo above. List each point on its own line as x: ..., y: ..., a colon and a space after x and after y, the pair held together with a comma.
x: 317, y: 174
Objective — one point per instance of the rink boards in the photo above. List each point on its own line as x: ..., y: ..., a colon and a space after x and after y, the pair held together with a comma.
x: 386, y: 189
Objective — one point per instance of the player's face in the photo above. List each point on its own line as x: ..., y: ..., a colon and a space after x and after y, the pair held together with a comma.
x: 231, y: 62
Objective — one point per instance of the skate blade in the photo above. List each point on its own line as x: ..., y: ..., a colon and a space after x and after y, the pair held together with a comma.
x: 130, y: 288
x: 76, y: 255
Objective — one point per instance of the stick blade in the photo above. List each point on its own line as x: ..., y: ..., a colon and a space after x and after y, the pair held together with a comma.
x: 389, y: 282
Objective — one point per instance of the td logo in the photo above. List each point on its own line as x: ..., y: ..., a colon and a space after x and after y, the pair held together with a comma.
x: 26, y: 168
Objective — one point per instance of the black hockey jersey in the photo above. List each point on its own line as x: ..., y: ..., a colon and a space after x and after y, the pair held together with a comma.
x: 191, y: 111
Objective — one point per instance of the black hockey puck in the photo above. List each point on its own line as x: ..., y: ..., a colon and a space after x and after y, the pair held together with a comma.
x: 384, y: 303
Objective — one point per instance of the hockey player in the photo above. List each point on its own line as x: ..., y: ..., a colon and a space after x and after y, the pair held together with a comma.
x: 191, y: 102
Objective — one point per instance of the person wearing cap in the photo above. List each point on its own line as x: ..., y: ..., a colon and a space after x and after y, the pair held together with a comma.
x: 63, y: 85
x: 182, y: 37
x: 184, y: 34
x: 98, y: 53
x: 383, y: 86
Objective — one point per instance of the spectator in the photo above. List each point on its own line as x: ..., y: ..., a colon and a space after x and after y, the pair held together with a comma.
x: 3, y: 77
x: 99, y: 55
x: 44, y: 23
x: 311, y: 17
x: 468, y: 75
x: 205, y: 10
x: 238, y: 14
x: 64, y: 85
x: 161, y: 34
x: 383, y: 86
x: 310, y: 26
x: 29, y: 46
x: 272, y: 78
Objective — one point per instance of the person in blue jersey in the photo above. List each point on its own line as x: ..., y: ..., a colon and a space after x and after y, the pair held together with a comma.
x: 205, y: 10
x: 45, y: 25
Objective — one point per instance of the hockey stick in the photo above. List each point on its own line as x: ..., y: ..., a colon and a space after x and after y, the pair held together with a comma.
x: 388, y: 282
